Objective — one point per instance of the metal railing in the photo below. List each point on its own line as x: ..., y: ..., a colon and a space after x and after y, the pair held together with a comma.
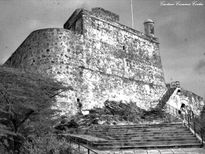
x: 190, y: 120
x: 77, y: 147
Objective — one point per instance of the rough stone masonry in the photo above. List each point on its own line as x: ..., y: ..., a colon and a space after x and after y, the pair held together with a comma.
x: 99, y: 57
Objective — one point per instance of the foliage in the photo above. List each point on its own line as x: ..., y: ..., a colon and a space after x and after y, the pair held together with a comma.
x: 115, y: 113
x: 48, y: 144
x: 25, y: 106
x: 127, y: 111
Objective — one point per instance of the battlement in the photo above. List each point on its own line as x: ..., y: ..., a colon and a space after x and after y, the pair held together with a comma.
x: 71, y: 22
x: 83, y: 20
x: 105, y: 14
x: 97, y: 12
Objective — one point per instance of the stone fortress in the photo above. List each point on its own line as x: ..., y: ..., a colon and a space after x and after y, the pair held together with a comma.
x: 101, y: 59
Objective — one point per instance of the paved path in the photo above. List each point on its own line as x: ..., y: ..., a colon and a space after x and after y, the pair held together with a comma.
x: 159, y: 151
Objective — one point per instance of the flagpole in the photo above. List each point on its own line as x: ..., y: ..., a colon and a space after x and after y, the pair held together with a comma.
x: 132, y: 14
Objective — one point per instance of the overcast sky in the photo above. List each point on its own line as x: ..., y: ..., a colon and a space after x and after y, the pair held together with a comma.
x: 181, y: 30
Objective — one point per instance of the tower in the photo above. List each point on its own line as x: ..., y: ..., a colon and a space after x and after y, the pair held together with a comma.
x: 149, y: 27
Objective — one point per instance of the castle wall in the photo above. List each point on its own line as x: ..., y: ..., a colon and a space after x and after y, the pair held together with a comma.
x: 95, y: 73
x: 139, y: 58
x: 56, y: 53
x: 99, y: 87
x: 121, y: 57
x: 195, y: 102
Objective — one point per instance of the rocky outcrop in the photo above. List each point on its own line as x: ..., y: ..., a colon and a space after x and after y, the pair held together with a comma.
x: 114, y: 113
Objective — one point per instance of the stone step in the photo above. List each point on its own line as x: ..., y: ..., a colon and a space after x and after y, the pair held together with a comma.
x: 148, y: 133
x: 134, y: 127
x: 152, y: 136
x: 137, y: 126
x: 143, y: 132
x: 142, y: 136
x: 147, y: 140
x: 150, y: 146
x: 156, y: 138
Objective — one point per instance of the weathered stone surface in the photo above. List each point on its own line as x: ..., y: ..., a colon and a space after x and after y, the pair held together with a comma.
x: 101, y: 59
x: 195, y: 102
x: 113, y: 113
x: 105, y: 14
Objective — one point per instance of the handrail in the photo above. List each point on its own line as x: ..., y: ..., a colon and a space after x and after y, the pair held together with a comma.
x: 190, y: 121
x: 71, y: 140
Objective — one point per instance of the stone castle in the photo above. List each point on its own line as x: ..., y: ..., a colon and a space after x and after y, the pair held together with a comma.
x: 100, y: 58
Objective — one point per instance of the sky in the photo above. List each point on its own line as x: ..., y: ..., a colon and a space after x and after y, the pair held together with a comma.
x: 179, y: 25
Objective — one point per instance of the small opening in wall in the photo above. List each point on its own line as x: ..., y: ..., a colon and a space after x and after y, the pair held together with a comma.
x: 183, y: 105
x: 178, y: 91
x: 123, y: 47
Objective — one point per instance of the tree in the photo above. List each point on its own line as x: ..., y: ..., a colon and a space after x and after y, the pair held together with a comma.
x: 25, y: 106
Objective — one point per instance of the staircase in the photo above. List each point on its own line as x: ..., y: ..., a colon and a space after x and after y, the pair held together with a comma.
x: 146, y: 136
